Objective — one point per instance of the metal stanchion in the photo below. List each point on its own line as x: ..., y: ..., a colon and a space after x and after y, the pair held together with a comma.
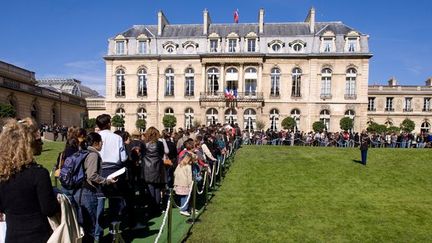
x: 193, y: 219
x: 169, y: 233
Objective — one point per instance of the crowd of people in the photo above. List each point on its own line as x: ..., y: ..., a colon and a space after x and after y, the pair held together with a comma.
x: 338, y: 139
x: 155, y: 162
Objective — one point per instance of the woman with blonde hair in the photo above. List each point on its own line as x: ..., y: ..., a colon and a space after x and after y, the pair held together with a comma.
x: 153, y: 168
x: 26, y: 193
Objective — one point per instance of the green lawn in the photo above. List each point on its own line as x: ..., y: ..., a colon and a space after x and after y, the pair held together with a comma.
x: 305, y: 194
x: 49, y: 154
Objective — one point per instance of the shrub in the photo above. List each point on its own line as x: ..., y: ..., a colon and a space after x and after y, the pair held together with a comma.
x: 288, y: 123
x: 117, y: 121
x: 407, y: 125
x: 7, y: 110
x: 318, y: 126
x: 169, y: 121
x: 346, y: 123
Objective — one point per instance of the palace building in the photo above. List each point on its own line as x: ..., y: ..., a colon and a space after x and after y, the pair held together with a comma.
x: 45, y: 104
x: 237, y: 73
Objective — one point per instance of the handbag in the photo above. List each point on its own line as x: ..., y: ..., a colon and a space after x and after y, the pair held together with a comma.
x: 167, y: 161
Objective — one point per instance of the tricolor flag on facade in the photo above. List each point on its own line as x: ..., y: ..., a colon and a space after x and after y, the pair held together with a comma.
x: 236, y: 16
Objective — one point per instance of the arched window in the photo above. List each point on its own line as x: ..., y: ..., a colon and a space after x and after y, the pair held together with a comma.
x: 34, y: 111
x: 54, y: 118
x: 231, y: 78
x: 142, y: 82
x: 189, y: 82
x: 425, y: 127
x: 350, y: 84
x: 274, y: 119
x: 249, y: 120
x: 142, y: 115
x: 169, y: 111
x: 169, y: 84
x: 189, y: 115
x: 231, y: 116
x: 326, y: 75
x: 212, y: 116
x: 120, y: 81
x: 295, y: 114
x: 251, y: 81
x: 213, y: 81
x: 296, y: 82
x: 121, y: 112
x: 325, y: 118
x: 275, y: 82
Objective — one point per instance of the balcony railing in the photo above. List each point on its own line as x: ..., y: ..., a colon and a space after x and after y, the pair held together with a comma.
x: 239, y: 97
x: 427, y: 109
x: 350, y: 96
x: 388, y: 109
x: 371, y: 109
x: 325, y: 96
x: 407, y: 109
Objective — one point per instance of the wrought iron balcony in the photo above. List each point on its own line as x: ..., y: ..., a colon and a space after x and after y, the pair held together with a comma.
x: 239, y: 97
x: 407, y: 109
x: 389, y: 109
x: 325, y: 96
x: 427, y: 109
x: 350, y: 96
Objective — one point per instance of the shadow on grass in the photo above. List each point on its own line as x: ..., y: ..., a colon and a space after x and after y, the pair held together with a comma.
x: 357, y: 161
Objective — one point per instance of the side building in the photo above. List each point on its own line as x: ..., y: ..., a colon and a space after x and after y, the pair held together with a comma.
x: 237, y: 73
x: 19, y: 88
x: 391, y: 104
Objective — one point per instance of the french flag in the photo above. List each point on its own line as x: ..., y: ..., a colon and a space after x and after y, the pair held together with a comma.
x: 236, y: 16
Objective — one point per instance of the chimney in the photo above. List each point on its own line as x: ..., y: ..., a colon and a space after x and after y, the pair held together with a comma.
x: 261, y: 21
x: 429, y: 82
x: 207, y: 21
x: 162, y: 21
x: 310, y: 19
x: 392, y: 82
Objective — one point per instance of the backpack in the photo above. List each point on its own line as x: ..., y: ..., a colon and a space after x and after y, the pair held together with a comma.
x: 72, y: 174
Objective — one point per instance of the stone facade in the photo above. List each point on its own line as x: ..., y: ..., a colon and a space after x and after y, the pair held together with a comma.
x: 241, y: 73
x: 18, y: 87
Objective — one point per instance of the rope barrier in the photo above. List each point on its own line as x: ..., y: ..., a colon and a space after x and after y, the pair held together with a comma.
x: 204, y: 184
x: 164, y: 220
x: 218, y: 165
x: 188, y: 198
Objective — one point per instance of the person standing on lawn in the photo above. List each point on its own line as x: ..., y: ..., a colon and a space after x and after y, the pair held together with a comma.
x: 364, y: 145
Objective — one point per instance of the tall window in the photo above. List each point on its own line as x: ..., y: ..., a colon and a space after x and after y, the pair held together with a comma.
x: 249, y: 120
x: 142, y: 82
x: 274, y: 119
x: 212, y: 116
x: 326, y: 76
x: 275, y: 82
x: 54, y: 114
x: 231, y: 116
x: 371, y: 104
x: 231, y: 78
x: 296, y: 82
x: 232, y: 45
x: 189, y: 82
x: 251, y: 45
x: 295, y: 114
x: 189, y: 115
x: 327, y: 44
x: 213, y: 81
x: 250, y: 81
x: 214, y: 45
x: 120, y: 47
x: 169, y: 85
x: 408, y: 104
x: 427, y: 104
x: 350, y: 83
x: 142, y: 115
x: 352, y: 44
x: 142, y: 47
x: 120, y: 83
x: 325, y: 118
x: 389, y: 104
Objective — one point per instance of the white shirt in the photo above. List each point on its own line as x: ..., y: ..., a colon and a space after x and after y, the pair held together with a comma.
x: 112, y: 147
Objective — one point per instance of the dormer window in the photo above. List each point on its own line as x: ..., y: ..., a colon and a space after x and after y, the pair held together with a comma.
x: 232, y: 45
x: 328, y: 42
x: 190, y: 47
x: 251, y: 45
x: 276, y: 45
x: 170, y: 47
x: 142, y: 47
x: 120, y: 47
x: 214, y: 45
x: 352, y: 42
x: 297, y: 46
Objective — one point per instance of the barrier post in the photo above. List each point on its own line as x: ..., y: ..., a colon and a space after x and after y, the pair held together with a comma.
x: 192, y: 220
x: 169, y: 233
x: 206, y: 188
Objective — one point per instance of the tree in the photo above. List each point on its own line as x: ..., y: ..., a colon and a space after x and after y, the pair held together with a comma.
x: 117, y: 121
x: 288, y: 123
x: 407, y: 125
x: 7, y: 110
x: 169, y: 121
x: 90, y: 123
x: 393, y: 129
x: 260, y: 125
x: 141, y: 124
x: 375, y: 127
x: 318, y: 126
x: 346, y: 123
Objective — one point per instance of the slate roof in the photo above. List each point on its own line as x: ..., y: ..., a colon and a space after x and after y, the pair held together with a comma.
x: 242, y: 29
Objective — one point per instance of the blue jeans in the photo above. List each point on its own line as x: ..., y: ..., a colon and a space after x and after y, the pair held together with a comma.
x: 183, y: 201
x: 88, y: 204
x: 363, y: 156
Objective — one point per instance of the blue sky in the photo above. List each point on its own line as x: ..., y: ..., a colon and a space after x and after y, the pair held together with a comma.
x: 68, y: 38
